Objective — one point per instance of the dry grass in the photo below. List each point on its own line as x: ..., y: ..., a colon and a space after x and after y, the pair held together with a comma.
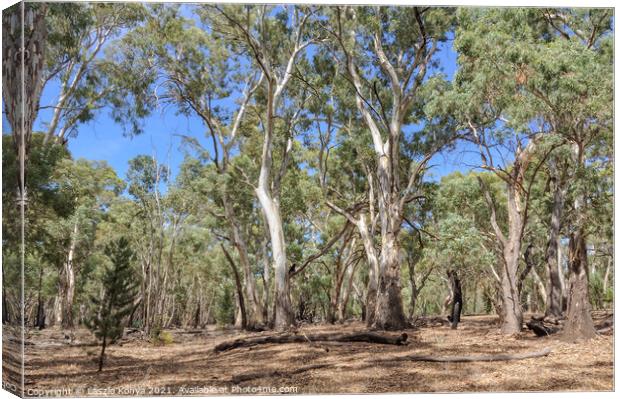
x: 143, y: 368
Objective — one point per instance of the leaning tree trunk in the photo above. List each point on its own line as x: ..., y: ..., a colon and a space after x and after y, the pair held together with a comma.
x: 240, y: 313
x: 554, y: 290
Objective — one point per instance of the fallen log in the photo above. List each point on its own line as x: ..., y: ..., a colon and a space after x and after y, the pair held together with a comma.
x: 541, y: 329
x: 275, y: 373
x: 369, y: 337
x: 465, y: 359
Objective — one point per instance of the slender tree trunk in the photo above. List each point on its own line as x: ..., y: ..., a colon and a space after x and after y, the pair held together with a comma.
x: 342, y: 305
x: 102, y: 354
x: 284, y: 316
x: 555, y: 291
x: 240, y: 300
x: 457, y: 300
x: 255, y: 313
x: 40, y: 318
x: 239, y: 321
x: 68, y: 274
x: 373, y: 270
x: 542, y: 291
x: 610, y: 263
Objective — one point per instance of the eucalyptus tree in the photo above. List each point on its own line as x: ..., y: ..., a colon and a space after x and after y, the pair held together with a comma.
x: 275, y: 39
x: 343, y: 159
x: 513, y: 141
x: 557, y: 170
x: 145, y: 179
x: 46, y: 207
x: 350, y: 180
x: 75, y: 64
x: 388, y: 54
x: 190, y: 68
x: 464, y: 238
x: 556, y: 81
x: 90, y: 187
x: 572, y: 79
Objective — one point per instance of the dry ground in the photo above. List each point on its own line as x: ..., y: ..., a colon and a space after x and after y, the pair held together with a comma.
x: 188, y: 365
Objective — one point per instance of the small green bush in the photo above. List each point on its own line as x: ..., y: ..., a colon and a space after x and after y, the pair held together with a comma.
x: 165, y: 338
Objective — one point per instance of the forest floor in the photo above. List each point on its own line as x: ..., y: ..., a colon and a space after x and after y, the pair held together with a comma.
x: 58, y: 366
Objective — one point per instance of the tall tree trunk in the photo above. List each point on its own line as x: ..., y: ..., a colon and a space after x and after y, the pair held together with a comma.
x: 284, y: 316
x: 389, y: 312
x: 554, y: 290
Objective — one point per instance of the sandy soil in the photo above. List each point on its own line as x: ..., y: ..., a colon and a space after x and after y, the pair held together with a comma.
x: 58, y: 365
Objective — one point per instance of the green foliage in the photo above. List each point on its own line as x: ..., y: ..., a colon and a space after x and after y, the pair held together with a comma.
x: 118, y: 293
x: 519, y: 75
x: 225, y: 308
